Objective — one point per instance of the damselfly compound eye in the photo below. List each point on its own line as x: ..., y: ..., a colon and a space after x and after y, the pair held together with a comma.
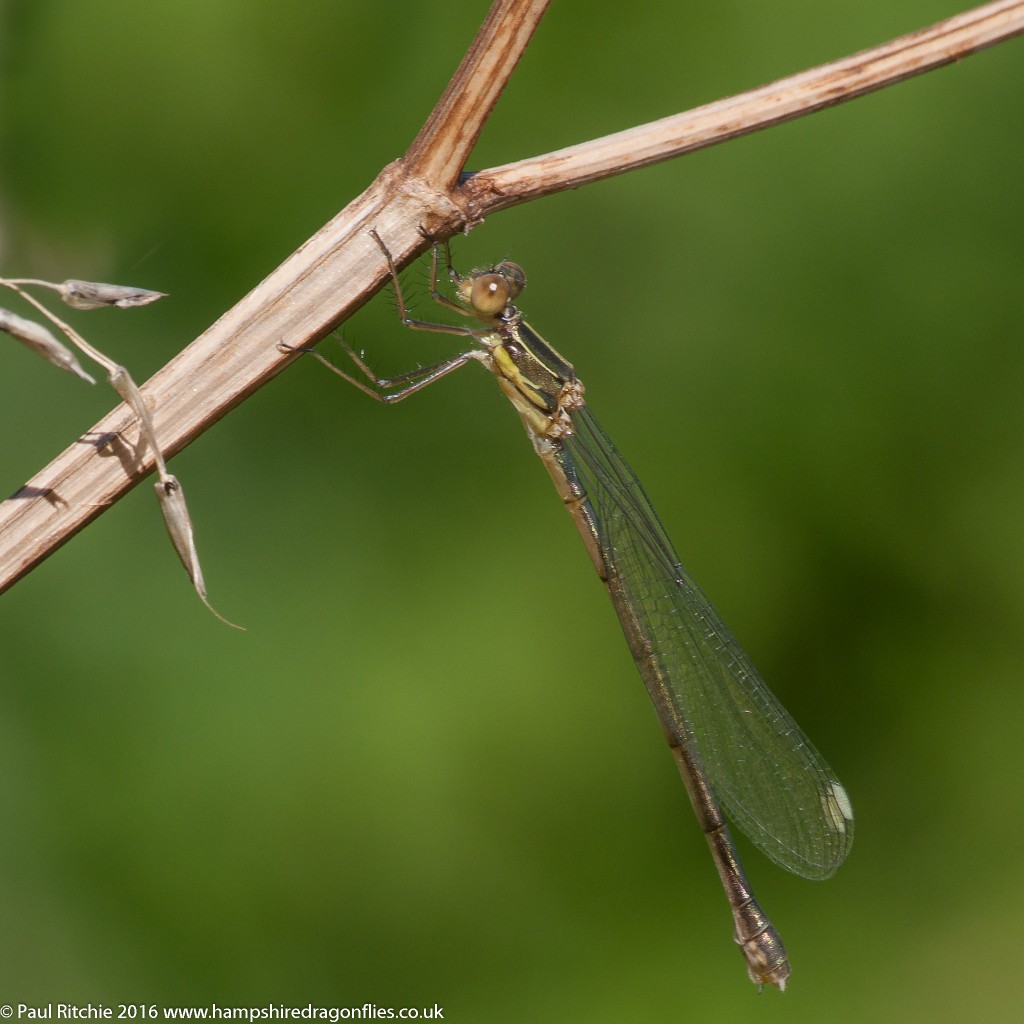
x: 490, y: 294
x: 515, y: 277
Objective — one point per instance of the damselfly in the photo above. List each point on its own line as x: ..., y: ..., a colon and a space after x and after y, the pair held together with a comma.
x: 735, y: 745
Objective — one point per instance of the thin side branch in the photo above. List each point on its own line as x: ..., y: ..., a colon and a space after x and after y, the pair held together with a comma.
x: 442, y: 147
x: 340, y: 267
x: 783, y: 100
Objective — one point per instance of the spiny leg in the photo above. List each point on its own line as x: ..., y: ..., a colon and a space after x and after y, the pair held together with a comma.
x: 435, y: 294
x: 414, y: 380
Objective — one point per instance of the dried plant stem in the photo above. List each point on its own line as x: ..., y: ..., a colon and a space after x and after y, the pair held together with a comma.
x: 341, y: 266
x: 783, y: 100
x: 440, y: 150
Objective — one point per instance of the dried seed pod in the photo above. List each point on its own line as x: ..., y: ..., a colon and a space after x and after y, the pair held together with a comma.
x: 179, y: 526
x: 41, y: 341
x: 94, y: 295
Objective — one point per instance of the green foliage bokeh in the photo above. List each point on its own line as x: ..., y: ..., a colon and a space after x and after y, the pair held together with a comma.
x: 428, y: 772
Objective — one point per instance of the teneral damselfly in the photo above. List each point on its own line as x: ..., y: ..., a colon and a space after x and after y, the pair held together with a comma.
x: 735, y: 745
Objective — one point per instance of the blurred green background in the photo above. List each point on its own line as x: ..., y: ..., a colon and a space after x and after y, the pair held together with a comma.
x: 428, y: 771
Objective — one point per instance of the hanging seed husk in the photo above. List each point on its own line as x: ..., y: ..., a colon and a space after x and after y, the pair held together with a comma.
x: 40, y: 340
x: 94, y: 295
x: 179, y: 526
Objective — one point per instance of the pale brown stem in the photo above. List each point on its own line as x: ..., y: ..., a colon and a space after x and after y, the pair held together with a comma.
x: 442, y: 147
x: 783, y: 100
x: 340, y: 267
